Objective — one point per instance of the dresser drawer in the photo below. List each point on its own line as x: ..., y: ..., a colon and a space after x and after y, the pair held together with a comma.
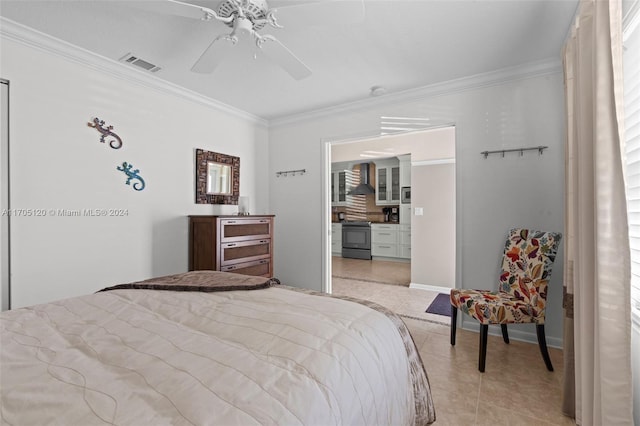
x: 244, y: 251
x: 240, y: 229
x: 258, y: 267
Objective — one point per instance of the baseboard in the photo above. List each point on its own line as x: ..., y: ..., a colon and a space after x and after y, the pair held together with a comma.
x: 514, y: 333
x: 430, y: 288
x: 391, y: 259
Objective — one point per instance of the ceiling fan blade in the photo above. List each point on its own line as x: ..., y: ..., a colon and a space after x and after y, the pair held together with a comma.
x: 172, y: 8
x: 279, y: 53
x: 177, y: 8
x: 329, y: 12
x: 213, y: 55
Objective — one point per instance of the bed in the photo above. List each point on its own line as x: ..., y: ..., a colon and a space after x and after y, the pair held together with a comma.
x: 213, y: 348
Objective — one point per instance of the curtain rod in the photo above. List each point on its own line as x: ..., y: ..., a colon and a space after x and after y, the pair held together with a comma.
x: 520, y: 150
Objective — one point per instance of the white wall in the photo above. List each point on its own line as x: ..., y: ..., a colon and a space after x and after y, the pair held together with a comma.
x: 493, y: 194
x: 57, y: 162
x: 433, y: 234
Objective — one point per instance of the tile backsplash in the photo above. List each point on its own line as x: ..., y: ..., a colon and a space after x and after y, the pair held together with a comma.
x: 364, y: 208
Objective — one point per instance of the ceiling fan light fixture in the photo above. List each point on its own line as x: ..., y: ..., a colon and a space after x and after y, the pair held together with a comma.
x: 246, y: 18
x: 255, y: 11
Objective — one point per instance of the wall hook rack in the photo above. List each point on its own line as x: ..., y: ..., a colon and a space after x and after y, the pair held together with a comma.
x: 520, y: 150
x: 286, y: 173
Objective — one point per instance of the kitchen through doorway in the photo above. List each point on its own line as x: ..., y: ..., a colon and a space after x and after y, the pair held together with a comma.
x: 401, y: 189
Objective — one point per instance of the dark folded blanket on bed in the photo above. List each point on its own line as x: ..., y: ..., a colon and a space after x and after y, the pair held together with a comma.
x: 206, y: 281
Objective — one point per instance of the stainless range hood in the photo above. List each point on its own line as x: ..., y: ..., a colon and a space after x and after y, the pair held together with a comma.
x: 364, y: 187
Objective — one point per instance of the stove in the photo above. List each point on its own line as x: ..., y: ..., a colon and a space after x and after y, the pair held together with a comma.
x: 356, y: 239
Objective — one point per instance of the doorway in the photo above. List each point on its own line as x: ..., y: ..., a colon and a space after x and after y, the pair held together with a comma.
x: 433, y: 199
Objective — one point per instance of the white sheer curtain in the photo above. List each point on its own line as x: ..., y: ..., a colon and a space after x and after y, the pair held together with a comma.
x: 597, y: 266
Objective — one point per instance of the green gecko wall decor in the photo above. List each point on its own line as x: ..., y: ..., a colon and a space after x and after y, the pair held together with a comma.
x: 126, y: 169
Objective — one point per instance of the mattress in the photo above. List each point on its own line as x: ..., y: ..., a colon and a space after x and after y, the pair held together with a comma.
x: 189, y: 355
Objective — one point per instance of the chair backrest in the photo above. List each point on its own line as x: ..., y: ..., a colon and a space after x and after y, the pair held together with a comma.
x: 526, y: 266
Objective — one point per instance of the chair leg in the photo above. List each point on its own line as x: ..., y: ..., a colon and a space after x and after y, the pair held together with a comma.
x: 542, y: 342
x: 505, y: 335
x: 454, y: 320
x: 484, y: 331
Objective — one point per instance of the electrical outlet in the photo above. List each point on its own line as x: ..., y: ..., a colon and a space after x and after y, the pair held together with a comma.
x: 419, y: 211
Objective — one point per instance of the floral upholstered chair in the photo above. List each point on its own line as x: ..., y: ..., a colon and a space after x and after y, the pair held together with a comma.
x: 522, y: 294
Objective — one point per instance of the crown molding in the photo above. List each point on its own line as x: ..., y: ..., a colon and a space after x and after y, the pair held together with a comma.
x: 30, y: 37
x: 435, y: 162
x: 492, y: 78
x: 12, y: 30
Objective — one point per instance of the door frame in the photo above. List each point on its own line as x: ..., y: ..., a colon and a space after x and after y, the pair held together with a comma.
x: 5, y: 217
x: 325, y: 167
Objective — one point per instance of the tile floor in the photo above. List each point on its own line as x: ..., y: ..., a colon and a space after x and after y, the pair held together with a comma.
x: 405, y: 301
x: 515, y: 389
x: 398, y: 273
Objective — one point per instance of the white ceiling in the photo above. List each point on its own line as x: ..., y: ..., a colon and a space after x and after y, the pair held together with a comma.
x: 400, y: 44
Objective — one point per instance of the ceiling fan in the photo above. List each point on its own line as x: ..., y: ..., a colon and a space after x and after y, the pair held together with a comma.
x: 247, y: 17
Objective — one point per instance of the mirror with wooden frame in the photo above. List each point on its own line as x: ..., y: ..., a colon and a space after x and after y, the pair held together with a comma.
x: 217, y: 178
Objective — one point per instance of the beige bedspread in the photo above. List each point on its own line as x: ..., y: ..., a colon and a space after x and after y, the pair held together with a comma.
x: 264, y: 356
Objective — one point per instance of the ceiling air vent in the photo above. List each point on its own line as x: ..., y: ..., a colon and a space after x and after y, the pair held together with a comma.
x: 141, y: 63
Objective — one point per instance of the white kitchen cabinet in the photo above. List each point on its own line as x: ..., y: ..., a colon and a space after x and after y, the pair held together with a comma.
x: 404, y: 252
x: 339, y: 188
x: 384, y: 250
x: 387, y: 182
x: 336, y: 239
x: 384, y: 240
x: 339, y: 180
x: 405, y: 170
x: 405, y: 214
x: 404, y: 241
x: 391, y: 240
x: 405, y: 181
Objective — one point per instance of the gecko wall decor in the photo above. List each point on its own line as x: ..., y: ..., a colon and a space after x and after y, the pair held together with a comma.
x: 115, y: 143
x: 126, y: 169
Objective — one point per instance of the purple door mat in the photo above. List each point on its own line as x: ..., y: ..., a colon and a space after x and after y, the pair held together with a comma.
x: 441, y: 305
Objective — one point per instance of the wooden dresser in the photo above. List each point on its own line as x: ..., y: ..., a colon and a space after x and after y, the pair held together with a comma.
x: 239, y: 244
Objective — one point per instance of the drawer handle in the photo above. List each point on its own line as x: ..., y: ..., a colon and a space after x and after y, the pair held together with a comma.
x: 263, y: 241
x: 385, y: 233
x: 231, y: 221
x: 264, y: 261
x: 384, y: 246
x: 264, y: 221
x: 231, y: 245
x: 229, y: 268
